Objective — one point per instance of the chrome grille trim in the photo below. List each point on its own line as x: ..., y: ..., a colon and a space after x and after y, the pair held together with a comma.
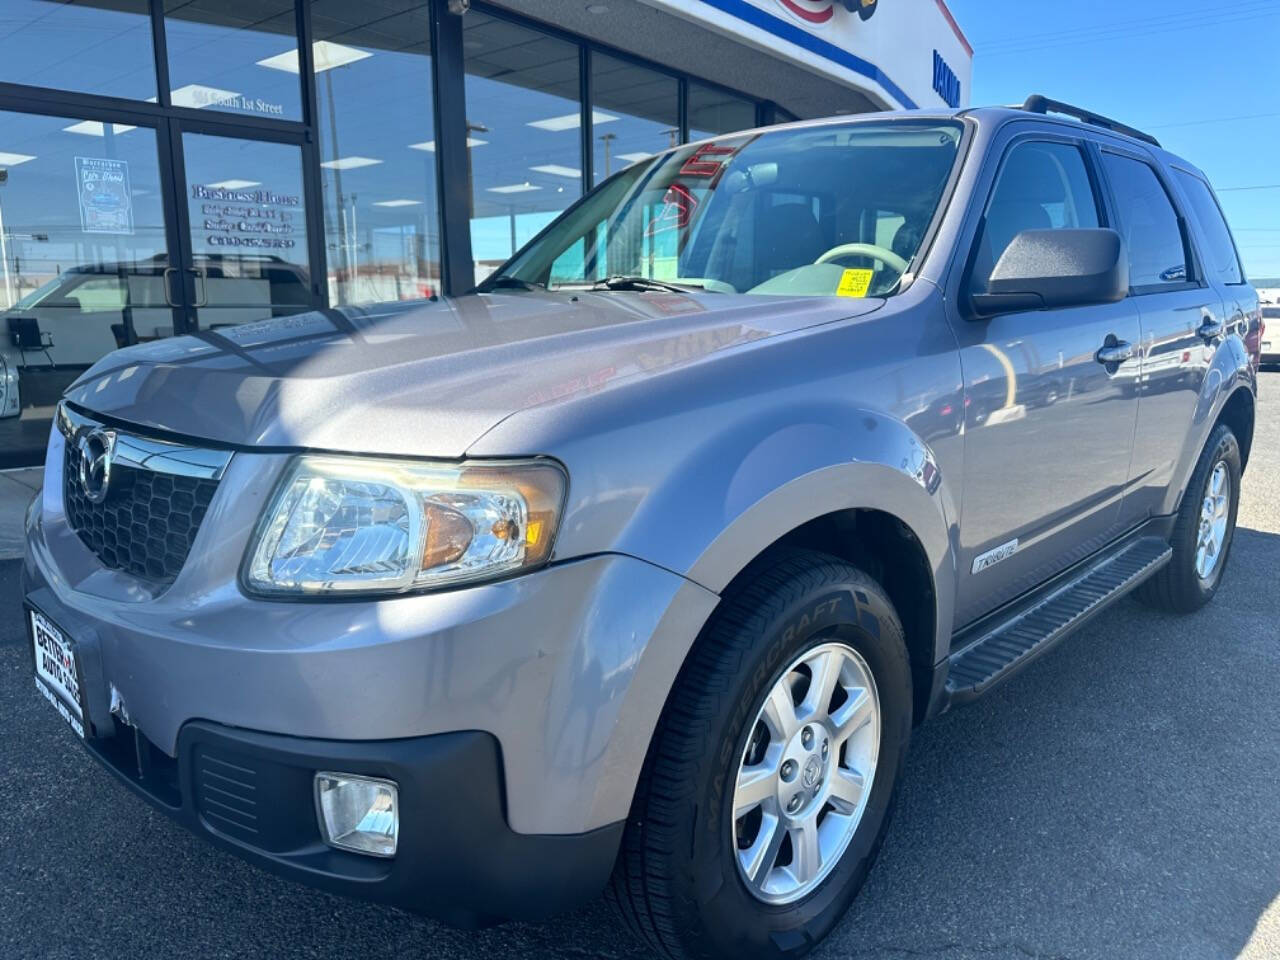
x: 147, y: 453
x: 143, y: 508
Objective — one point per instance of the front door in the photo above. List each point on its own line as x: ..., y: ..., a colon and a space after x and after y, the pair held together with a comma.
x: 244, y: 241
x: 1048, y: 425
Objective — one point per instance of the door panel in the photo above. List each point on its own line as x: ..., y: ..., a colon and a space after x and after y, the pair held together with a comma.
x: 1175, y: 361
x: 1175, y: 312
x: 1048, y: 428
x: 1048, y: 436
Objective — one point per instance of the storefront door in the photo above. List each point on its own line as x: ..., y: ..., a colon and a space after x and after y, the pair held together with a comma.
x: 119, y: 228
x: 243, y: 227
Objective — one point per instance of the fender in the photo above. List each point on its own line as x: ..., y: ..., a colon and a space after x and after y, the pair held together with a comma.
x: 795, y: 474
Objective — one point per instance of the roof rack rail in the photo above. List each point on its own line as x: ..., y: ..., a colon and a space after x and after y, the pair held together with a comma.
x: 1039, y: 104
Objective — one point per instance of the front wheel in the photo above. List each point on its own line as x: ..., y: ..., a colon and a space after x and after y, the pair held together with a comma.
x: 768, y: 786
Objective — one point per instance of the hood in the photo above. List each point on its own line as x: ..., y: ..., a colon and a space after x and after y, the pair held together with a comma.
x: 426, y: 378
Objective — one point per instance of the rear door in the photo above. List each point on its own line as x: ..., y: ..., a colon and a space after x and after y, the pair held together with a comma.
x: 1048, y: 428
x: 1182, y: 317
x: 1219, y: 257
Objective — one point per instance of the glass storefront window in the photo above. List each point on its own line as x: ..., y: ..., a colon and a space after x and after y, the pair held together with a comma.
x: 248, y: 217
x: 524, y: 137
x: 87, y: 47
x: 83, y: 250
x: 377, y: 149
x: 635, y: 114
x: 235, y: 56
x: 713, y: 113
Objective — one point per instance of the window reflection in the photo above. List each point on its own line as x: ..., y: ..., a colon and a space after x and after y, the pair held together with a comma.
x: 82, y: 256
x: 235, y: 56
x: 377, y: 149
x: 89, y: 47
x: 713, y: 112
x: 635, y: 114
x: 524, y: 134
x: 248, y: 229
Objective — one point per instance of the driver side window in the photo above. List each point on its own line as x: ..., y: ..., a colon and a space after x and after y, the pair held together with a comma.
x: 1043, y: 186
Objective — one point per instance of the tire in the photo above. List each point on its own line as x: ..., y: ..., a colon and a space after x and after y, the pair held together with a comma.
x: 678, y: 883
x: 1179, y: 586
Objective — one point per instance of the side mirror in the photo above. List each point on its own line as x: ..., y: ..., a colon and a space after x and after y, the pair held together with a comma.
x: 1041, y: 269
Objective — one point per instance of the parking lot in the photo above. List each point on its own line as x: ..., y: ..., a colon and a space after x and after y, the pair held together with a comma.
x: 1121, y: 798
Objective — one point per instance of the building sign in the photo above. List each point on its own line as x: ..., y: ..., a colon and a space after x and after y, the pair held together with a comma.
x: 879, y: 47
x: 258, y: 218
x: 106, y: 200
x: 822, y: 11
x: 945, y: 82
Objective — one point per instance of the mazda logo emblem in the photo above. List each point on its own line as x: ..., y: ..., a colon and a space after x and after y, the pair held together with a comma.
x: 96, y: 448
x: 812, y: 771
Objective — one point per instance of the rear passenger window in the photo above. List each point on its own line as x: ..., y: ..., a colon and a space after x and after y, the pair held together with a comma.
x: 1043, y: 186
x: 1220, y: 253
x: 1149, y: 225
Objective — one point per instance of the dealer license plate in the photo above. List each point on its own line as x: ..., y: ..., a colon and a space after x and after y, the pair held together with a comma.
x: 57, y: 675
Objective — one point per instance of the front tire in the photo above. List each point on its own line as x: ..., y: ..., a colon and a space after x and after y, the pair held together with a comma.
x: 1203, y: 530
x: 770, y: 779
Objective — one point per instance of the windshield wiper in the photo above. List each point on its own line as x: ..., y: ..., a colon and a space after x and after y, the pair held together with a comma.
x: 506, y: 282
x: 638, y: 283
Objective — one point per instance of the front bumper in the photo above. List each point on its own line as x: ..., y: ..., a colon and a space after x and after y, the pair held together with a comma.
x: 251, y: 793
x: 515, y: 716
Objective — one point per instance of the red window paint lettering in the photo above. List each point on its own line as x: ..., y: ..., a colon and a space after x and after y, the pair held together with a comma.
x: 706, y: 161
x: 678, y: 205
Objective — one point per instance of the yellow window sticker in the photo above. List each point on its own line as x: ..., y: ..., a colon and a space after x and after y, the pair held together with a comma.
x: 854, y: 283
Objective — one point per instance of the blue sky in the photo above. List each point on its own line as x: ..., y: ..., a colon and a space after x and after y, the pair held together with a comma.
x: 1199, y: 76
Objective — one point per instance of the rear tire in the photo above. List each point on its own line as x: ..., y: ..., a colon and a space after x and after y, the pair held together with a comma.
x: 680, y: 882
x: 1191, y: 578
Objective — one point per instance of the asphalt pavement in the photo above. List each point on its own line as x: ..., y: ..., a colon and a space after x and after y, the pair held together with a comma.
x: 1120, y: 798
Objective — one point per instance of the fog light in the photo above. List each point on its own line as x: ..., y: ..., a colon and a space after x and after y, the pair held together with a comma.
x: 360, y: 814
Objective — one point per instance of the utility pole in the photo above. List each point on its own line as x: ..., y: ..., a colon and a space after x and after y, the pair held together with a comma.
x: 607, y: 139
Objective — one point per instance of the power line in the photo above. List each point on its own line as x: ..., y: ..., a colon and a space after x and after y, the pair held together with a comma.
x: 1197, y: 123
x: 1141, y: 23
x: 1146, y: 31
x: 1252, y: 186
x: 1123, y: 27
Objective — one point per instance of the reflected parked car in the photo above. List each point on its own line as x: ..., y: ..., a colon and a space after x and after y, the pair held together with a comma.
x: 59, y: 330
x: 1270, y: 348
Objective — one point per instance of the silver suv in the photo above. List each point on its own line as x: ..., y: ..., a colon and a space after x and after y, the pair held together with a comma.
x: 635, y: 568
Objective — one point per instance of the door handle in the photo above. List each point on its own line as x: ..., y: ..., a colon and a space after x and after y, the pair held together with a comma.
x: 1211, y: 329
x: 168, y: 290
x: 1114, y: 351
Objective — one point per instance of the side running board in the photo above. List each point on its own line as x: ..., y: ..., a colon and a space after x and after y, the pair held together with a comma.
x: 999, y: 651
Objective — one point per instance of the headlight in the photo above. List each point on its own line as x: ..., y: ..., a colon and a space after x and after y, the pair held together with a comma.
x: 344, y: 525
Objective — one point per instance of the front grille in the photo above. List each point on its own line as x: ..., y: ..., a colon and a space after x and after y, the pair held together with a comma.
x: 155, y: 502
x: 147, y: 523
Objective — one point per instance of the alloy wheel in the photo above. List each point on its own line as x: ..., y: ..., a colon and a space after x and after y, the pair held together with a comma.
x: 806, y: 773
x: 1214, y: 515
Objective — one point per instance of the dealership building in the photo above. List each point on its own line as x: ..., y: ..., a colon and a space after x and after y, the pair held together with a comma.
x: 181, y: 166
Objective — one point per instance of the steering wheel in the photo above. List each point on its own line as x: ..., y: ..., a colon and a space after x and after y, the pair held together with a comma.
x: 883, y: 254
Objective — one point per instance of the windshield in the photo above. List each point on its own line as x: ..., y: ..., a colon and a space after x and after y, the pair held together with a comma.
x: 39, y: 293
x: 839, y: 209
